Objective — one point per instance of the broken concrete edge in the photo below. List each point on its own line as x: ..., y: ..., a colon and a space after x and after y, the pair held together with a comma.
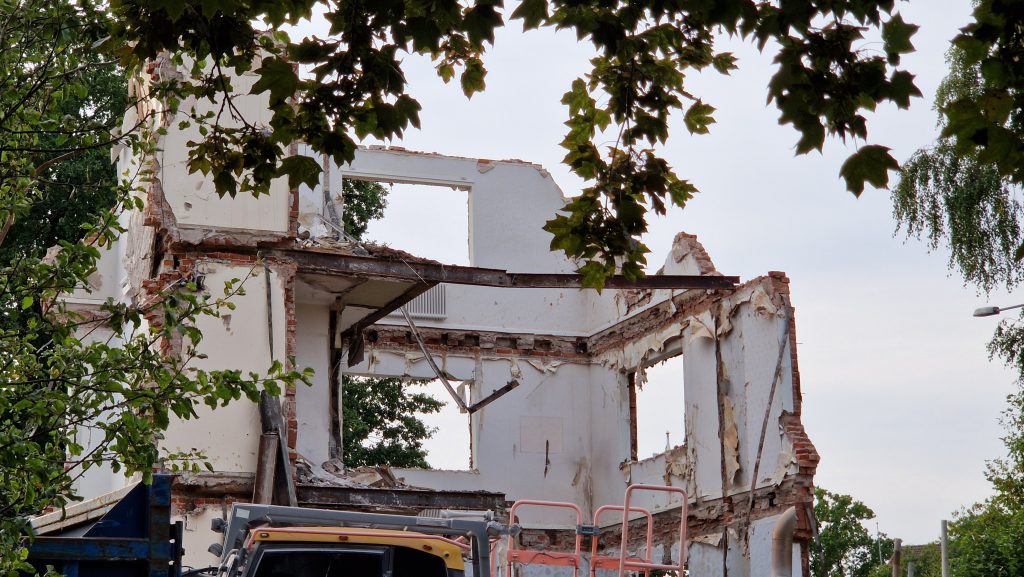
x: 191, y: 491
x: 670, y: 314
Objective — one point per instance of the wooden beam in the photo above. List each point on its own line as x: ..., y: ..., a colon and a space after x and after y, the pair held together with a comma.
x: 266, y: 468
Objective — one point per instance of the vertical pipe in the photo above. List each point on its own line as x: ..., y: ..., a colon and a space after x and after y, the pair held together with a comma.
x: 631, y: 388
x: 782, y: 544
x: 945, y: 548
x: 910, y: 569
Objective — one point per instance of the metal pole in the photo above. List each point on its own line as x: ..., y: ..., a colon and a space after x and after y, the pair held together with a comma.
x: 897, y: 553
x: 878, y: 540
x: 945, y: 549
x: 910, y: 569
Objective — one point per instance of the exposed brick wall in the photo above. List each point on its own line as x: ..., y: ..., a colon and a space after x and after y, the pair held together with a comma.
x: 390, y: 338
x: 699, y: 254
x: 807, y: 457
x: 780, y: 283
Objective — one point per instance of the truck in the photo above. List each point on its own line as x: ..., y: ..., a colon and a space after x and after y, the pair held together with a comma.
x: 278, y: 541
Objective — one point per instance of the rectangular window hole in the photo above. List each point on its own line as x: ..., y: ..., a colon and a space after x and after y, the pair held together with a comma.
x: 424, y: 220
x: 658, y: 422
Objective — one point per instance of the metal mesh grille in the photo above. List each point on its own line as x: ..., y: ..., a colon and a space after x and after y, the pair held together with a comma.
x: 429, y: 305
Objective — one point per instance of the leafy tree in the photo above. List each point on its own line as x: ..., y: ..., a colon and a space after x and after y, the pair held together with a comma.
x: 71, y: 192
x: 954, y: 197
x: 986, y: 537
x: 364, y: 201
x: 65, y: 375
x: 845, y: 548
x: 823, y: 84
x: 381, y: 424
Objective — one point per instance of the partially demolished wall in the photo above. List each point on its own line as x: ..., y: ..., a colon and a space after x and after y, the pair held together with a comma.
x: 563, y: 360
x: 563, y: 434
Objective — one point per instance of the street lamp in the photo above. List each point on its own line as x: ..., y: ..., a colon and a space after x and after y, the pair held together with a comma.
x: 990, y: 311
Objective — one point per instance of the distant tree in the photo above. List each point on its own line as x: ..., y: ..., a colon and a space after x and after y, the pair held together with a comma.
x: 364, y: 201
x: 845, y: 548
x: 987, y: 539
x: 381, y: 424
x: 927, y: 560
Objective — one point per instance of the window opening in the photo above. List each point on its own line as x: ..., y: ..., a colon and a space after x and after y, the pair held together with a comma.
x: 425, y: 220
x: 450, y: 445
x: 403, y: 423
x: 657, y: 408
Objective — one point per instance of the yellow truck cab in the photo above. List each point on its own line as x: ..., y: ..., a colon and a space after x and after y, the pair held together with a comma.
x: 351, y: 552
x: 274, y: 541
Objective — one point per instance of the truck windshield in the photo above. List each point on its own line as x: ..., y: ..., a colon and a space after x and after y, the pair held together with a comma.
x: 304, y: 562
x: 345, y: 561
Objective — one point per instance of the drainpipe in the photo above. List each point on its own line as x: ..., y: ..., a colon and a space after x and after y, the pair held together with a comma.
x: 782, y: 544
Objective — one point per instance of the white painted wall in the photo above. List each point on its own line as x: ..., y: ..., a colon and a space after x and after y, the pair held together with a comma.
x: 509, y: 202
x: 198, y: 536
x: 238, y: 340
x: 192, y: 196
x: 313, y: 403
x: 534, y: 441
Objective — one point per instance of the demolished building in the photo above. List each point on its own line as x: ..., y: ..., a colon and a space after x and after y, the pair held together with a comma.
x: 549, y: 372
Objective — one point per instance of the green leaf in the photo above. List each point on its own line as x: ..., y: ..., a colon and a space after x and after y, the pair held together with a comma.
x: 1018, y: 255
x: 896, y: 37
x: 533, y: 13
x: 480, y: 22
x: 724, y: 62
x: 473, y: 77
x: 300, y: 170
x: 279, y: 77
x: 26, y: 302
x: 870, y: 164
x: 698, y: 117
x: 902, y: 88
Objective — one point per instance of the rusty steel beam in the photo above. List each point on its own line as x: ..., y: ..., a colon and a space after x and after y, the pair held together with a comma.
x: 318, y: 262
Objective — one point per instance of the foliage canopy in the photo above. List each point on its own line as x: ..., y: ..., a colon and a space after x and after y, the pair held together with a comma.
x: 81, y: 387
x: 823, y: 85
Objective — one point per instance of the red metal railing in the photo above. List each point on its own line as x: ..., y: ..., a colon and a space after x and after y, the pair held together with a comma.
x: 610, y: 562
x: 625, y: 563
x: 539, y: 557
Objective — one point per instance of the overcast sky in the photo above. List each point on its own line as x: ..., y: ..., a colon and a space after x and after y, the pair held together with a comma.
x: 899, y: 396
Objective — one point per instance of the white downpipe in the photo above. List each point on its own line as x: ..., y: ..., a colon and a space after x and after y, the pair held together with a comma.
x: 782, y: 544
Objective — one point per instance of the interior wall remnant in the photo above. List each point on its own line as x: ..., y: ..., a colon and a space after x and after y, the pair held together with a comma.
x: 312, y: 404
x: 238, y: 421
